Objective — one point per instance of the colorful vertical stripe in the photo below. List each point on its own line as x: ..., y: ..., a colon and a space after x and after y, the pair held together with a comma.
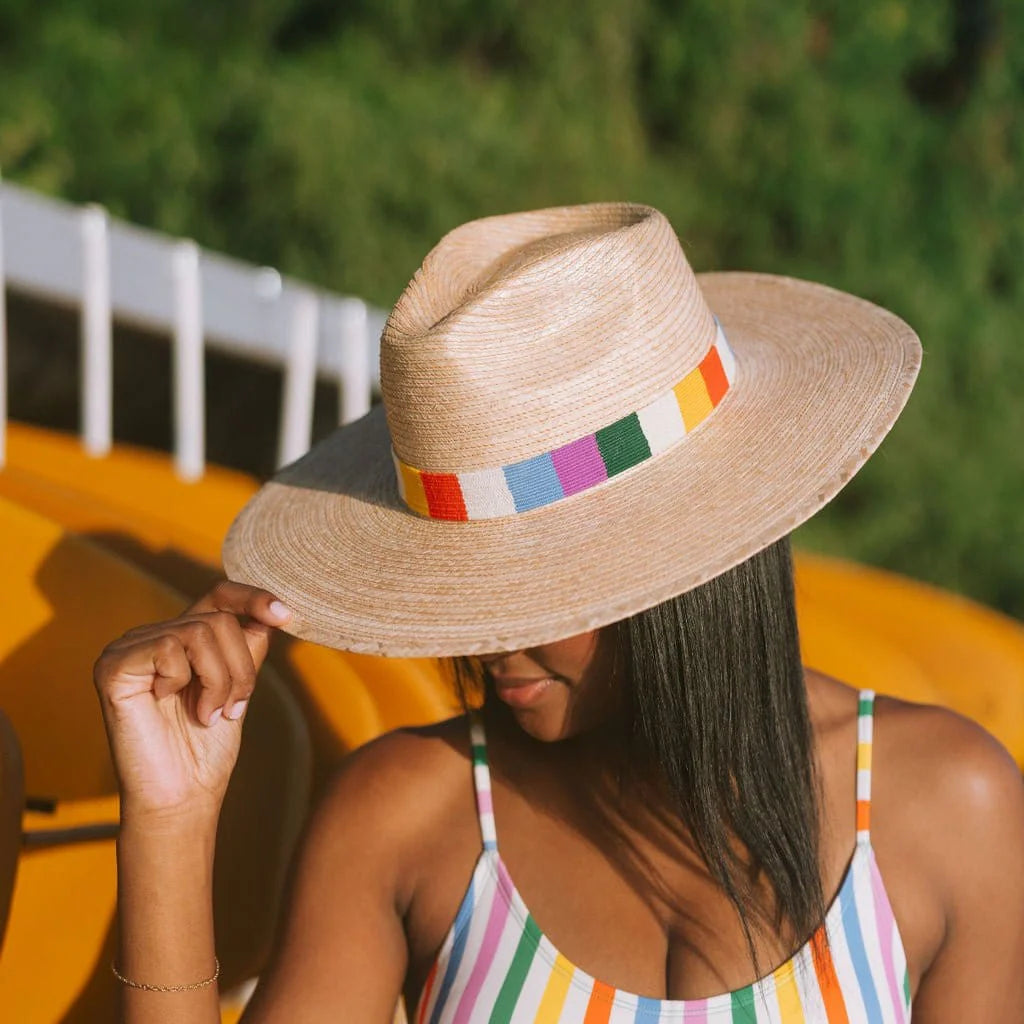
x: 482, y: 783
x: 828, y: 981
x: 580, y: 465
x: 496, y: 966
x: 452, y: 953
x: 865, y: 726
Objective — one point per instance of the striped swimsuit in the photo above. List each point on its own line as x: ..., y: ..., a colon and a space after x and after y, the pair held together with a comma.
x: 495, y: 966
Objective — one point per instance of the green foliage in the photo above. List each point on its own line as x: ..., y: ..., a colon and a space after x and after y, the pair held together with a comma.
x: 854, y: 144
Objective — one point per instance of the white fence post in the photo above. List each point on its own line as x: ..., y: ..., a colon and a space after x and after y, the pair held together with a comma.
x: 296, y: 434
x: 3, y: 339
x: 189, y: 376
x: 267, y: 285
x: 354, y: 380
x: 106, y: 268
x: 96, y: 346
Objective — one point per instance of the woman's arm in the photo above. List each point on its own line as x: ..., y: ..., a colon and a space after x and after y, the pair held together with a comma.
x: 977, y: 974
x: 341, y: 950
x: 165, y: 908
x: 173, y: 696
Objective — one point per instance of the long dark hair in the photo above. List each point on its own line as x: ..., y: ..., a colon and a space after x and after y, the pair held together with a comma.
x: 717, y: 707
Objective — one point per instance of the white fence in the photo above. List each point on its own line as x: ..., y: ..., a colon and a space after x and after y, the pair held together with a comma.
x: 112, y: 270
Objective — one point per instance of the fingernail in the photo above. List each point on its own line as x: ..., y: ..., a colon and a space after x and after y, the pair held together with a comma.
x: 279, y: 611
x: 214, y: 717
x: 237, y: 709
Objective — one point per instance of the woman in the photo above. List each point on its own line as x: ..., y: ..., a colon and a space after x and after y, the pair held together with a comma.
x: 581, y: 485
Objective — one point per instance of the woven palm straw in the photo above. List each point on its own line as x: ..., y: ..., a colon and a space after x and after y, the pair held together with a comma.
x: 523, y: 333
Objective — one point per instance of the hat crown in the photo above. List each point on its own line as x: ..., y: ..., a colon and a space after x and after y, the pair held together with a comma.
x: 523, y: 332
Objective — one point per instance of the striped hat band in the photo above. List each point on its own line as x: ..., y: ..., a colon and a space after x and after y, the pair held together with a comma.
x: 582, y: 464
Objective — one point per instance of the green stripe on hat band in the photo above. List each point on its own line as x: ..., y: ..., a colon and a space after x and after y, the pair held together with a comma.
x: 580, y: 465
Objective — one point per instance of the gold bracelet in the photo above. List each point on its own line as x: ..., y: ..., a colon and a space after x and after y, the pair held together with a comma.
x: 167, y: 988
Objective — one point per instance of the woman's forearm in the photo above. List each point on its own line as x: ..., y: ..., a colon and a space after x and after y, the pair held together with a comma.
x: 165, y: 905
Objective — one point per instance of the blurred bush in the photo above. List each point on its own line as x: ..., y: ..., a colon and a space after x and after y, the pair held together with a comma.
x: 874, y: 146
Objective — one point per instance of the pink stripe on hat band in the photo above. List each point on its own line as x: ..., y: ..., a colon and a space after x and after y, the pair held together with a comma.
x: 580, y: 465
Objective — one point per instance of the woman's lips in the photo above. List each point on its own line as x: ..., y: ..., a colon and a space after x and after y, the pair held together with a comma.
x: 522, y: 693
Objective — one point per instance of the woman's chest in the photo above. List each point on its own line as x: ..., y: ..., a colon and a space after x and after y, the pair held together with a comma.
x: 644, y: 916
x: 641, y: 916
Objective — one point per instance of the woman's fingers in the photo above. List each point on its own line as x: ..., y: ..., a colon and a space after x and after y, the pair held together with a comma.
x: 164, y: 663
x: 210, y: 668
x: 158, y: 681
x: 261, y: 613
x: 219, y: 644
x: 241, y: 599
x: 172, y: 670
x: 165, y: 658
x: 238, y: 659
x: 128, y: 668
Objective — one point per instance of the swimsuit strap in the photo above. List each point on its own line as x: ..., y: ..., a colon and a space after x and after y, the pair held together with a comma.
x: 482, y: 781
x: 865, y: 734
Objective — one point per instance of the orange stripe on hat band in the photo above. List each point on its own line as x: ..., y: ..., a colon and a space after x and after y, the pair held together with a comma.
x: 580, y: 465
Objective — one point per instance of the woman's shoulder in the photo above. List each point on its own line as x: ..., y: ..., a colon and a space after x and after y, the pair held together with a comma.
x: 406, y: 771
x: 923, y: 754
x: 947, y: 819
x: 930, y: 764
x: 947, y: 810
x: 948, y: 828
x: 409, y: 783
x: 949, y: 790
x: 939, y: 759
x: 392, y: 798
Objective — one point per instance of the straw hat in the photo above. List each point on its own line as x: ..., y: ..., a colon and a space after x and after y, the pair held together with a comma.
x: 575, y: 427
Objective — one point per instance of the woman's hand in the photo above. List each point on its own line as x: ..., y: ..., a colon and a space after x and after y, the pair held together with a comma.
x: 174, y: 696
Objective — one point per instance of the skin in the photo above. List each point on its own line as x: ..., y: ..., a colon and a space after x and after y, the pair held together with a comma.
x: 387, y: 856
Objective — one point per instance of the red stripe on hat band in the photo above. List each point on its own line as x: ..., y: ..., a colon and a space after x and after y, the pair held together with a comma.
x: 444, y: 496
x: 713, y: 372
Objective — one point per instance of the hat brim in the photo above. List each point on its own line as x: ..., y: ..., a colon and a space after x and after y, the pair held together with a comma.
x: 820, y: 378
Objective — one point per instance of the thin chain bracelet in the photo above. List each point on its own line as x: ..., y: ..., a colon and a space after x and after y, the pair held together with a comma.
x: 167, y: 988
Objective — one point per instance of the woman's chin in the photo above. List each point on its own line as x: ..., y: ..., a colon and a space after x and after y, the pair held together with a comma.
x: 546, y: 728
x: 546, y: 724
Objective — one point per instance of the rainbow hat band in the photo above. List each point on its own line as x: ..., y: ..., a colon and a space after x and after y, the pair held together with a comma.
x: 582, y: 464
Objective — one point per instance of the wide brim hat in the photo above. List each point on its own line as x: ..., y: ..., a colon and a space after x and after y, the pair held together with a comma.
x: 575, y: 427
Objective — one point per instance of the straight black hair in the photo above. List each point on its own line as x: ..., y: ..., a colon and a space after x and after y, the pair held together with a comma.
x: 717, y: 712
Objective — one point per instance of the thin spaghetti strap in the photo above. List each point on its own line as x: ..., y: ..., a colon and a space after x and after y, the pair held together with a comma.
x: 865, y: 737
x: 482, y: 781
